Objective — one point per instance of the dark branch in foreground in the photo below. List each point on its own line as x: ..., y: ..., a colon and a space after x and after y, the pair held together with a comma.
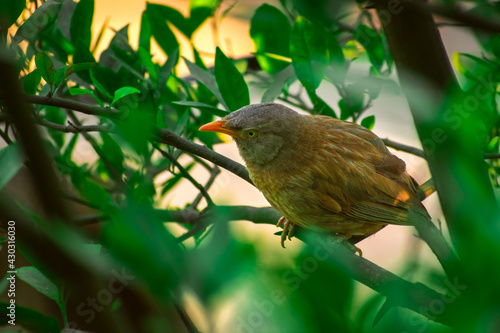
x: 401, y: 147
x: 400, y: 292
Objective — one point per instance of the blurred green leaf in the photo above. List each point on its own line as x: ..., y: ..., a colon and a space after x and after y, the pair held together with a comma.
x: 38, y: 21
x: 32, y: 276
x: 11, y: 160
x: 81, y: 91
x: 145, y: 33
x: 204, y: 107
x: 281, y: 79
x: 45, y: 67
x: 320, y: 106
x: 337, y: 68
x: 160, y: 29
x: 122, y: 92
x: 232, y: 85
x: 308, y: 49
x: 104, y: 79
x: 10, y: 12
x: 270, y: 31
x: 372, y: 43
x: 81, y: 24
x: 368, y: 122
x: 151, y: 68
x: 29, y: 319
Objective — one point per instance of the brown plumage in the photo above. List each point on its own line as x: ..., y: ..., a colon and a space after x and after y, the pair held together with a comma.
x: 321, y: 173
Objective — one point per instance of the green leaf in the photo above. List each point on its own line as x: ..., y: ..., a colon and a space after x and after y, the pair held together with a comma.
x: 145, y: 33
x: 207, y: 79
x: 372, y: 43
x: 232, y: 85
x: 146, y: 60
x: 160, y: 29
x: 30, y: 320
x: 280, y: 80
x: 45, y: 67
x: 166, y: 70
x: 11, y: 160
x: 270, y: 31
x: 10, y: 12
x: 320, y: 106
x: 368, y: 122
x: 32, y: 276
x: 122, y: 92
x: 60, y: 76
x: 81, y: 24
x: 81, y: 91
x: 102, y: 78
x: 204, y: 107
x: 337, y: 68
x: 38, y: 21
x: 308, y: 49
x: 31, y: 82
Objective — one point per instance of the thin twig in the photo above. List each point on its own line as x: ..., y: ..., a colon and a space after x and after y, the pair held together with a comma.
x: 170, y: 138
x: 214, y: 172
x: 491, y: 156
x: 73, y: 105
x: 5, y: 137
x: 186, y: 174
x: 73, y: 128
x: 97, y: 149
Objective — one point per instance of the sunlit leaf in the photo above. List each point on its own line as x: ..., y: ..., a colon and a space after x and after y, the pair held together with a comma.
x: 122, y: 92
x: 368, y: 122
x: 270, y: 31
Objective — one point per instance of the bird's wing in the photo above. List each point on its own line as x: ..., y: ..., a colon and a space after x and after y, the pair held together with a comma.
x: 354, y: 170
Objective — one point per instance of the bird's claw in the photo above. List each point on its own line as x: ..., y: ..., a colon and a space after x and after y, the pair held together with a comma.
x: 288, y: 229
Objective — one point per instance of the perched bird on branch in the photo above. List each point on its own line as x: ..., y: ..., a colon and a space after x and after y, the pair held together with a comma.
x: 321, y: 173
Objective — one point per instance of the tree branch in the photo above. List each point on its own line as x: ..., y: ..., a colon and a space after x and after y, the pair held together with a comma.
x: 402, y: 147
x: 72, y: 128
x: 94, y: 110
x: 186, y: 174
x: 169, y: 137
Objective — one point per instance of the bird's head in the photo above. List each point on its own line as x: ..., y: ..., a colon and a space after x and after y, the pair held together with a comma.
x: 260, y: 130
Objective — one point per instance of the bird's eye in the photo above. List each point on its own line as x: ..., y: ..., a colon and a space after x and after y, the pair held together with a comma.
x: 251, y: 133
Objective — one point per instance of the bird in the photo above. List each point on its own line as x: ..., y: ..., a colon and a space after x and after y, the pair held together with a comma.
x: 321, y: 173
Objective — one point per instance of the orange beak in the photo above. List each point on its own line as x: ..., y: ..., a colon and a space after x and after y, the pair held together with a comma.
x: 218, y: 126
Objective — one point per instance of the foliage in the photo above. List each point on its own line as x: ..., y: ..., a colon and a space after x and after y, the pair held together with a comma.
x: 141, y: 118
